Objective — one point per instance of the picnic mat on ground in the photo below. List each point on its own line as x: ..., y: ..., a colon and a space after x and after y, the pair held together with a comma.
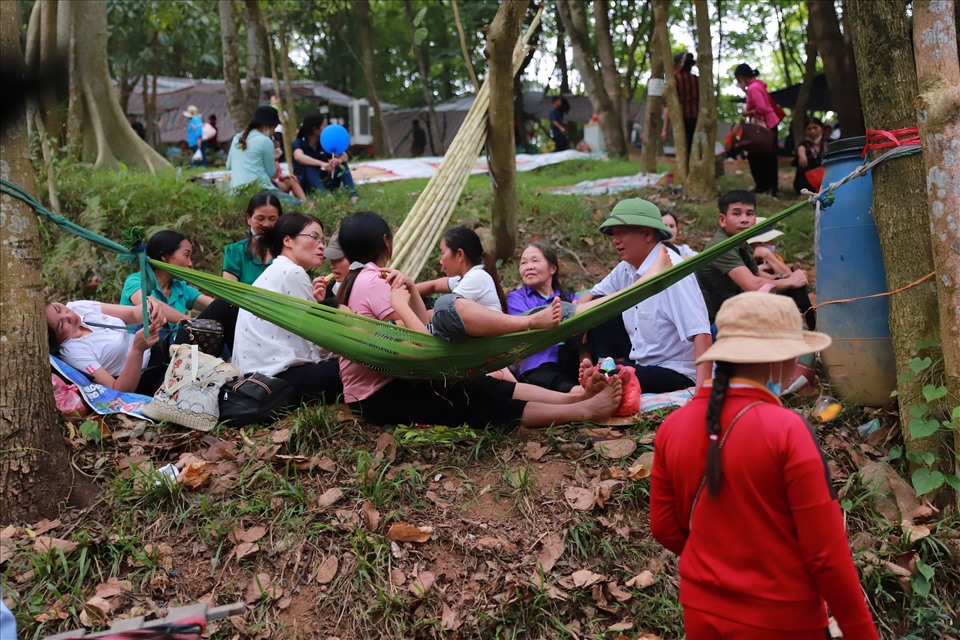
x: 609, y: 185
x: 101, y: 399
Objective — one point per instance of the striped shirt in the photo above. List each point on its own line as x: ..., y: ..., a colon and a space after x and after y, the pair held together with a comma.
x: 688, y: 90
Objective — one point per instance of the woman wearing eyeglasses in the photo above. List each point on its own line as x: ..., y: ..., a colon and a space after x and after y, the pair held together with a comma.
x: 296, y: 242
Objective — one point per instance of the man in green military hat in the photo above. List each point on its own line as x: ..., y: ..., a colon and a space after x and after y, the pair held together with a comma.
x: 669, y: 330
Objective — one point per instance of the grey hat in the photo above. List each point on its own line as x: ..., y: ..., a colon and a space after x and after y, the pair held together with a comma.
x: 636, y: 212
x: 333, y: 250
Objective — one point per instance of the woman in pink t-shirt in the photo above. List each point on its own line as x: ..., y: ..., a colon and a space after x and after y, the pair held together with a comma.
x: 367, y: 242
x: 764, y: 167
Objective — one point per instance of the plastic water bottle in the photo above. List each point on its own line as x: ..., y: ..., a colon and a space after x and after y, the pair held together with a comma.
x: 607, y: 366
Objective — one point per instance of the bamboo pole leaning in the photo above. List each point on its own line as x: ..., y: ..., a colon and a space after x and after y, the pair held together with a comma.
x: 421, y: 230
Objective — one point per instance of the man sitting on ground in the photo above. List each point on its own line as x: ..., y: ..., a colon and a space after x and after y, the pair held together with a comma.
x: 667, y: 331
x: 736, y: 270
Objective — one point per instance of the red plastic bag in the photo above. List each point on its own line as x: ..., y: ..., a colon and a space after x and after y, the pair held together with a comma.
x: 630, y: 400
x: 67, y: 396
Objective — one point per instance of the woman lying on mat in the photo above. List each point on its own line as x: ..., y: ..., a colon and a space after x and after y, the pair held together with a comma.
x: 98, y: 339
x: 296, y: 242
x: 372, y: 290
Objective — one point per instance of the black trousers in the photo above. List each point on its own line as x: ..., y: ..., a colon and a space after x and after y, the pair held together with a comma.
x: 317, y: 382
x: 765, y: 168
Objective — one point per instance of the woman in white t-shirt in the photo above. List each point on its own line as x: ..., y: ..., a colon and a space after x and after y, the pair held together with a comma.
x: 471, y: 273
x: 99, y: 340
x: 296, y: 241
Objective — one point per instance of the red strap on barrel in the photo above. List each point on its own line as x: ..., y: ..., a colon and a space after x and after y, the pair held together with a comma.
x: 879, y: 139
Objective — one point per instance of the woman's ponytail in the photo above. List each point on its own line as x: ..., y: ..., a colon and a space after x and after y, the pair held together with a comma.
x: 718, y: 395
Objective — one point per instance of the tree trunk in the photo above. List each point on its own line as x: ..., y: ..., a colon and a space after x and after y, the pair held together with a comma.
x: 256, y: 56
x: 888, y: 83
x: 502, y: 35
x: 239, y: 109
x: 562, y: 54
x: 150, y: 111
x: 290, y: 119
x: 97, y: 127
x: 423, y: 65
x: 841, y: 76
x: 574, y: 19
x: 369, y: 75
x: 702, y: 178
x: 799, y: 116
x: 661, y: 9
x: 938, y: 76
x: 612, y: 82
x: 35, y: 471
x: 630, y: 77
x: 653, y: 117
x: 783, y: 45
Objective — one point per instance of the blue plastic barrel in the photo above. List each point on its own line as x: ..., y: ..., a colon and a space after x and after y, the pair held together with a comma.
x: 860, y: 362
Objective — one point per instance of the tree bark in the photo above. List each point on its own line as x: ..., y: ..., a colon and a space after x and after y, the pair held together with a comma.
x: 97, y: 128
x: 502, y: 35
x: 841, y: 75
x: 290, y: 119
x: 35, y: 471
x: 888, y: 84
x: 612, y: 82
x: 423, y: 65
x: 653, y: 117
x: 701, y: 181
x: 938, y: 77
x: 369, y: 75
x: 256, y: 55
x: 630, y: 79
x: 574, y: 19
x: 562, y: 54
x: 661, y: 9
x: 799, y: 116
x: 240, y: 110
x: 782, y: 45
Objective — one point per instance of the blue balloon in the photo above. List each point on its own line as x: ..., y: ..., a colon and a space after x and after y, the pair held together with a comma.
x: 334, y: 139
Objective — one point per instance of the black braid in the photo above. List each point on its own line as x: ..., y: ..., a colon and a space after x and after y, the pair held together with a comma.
x: 718, y: 395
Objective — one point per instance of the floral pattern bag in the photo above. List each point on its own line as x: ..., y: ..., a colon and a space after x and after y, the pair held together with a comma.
x: 189, y: 395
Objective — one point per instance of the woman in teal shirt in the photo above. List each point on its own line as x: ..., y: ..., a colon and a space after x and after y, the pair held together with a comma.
x: 240, y: 261
x: 175, y: 296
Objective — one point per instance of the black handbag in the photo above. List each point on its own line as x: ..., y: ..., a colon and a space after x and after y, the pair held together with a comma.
x: 254, y: 398
x: 756, y: 138
x: 205, y: 333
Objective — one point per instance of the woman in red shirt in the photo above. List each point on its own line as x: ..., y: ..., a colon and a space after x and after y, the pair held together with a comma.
x: 741, y: 491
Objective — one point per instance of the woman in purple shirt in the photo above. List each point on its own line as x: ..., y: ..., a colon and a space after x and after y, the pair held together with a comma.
x: 554, y: 368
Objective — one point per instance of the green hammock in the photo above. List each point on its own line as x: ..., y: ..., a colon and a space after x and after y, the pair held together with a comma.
x: 397, y: 351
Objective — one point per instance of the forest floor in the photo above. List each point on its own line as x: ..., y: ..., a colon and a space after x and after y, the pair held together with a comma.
x: 325, y: 527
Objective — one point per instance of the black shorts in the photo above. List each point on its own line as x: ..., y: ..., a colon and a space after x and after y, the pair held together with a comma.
x: 479, y: 402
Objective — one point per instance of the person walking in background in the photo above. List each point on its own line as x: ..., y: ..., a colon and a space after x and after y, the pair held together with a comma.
x: 742, y: 492
x: 418, y: 139
x: 761, y: 109
x: 688, y: 91
x: 558, y: 128
x: 195, y: 135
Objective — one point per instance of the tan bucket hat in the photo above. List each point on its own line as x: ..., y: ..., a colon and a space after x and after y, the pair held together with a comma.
x: 761, y: 327
x: 766, y: 236
x: 191, y: 111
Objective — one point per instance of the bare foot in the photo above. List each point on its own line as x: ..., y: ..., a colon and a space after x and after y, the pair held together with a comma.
x: 661, y: 263
x: 604, y: 403
x: 547, y: 317
x: 586, y: 371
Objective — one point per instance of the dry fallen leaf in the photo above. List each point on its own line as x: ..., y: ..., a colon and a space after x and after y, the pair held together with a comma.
x: 280, y: 436
x: 615, y: 449
x: 621, y: 626
x: 421, y: 584
x: 403, y: 532
x: 259, y: 586
x: 586, y: 578
x: 449, y: 619
x: 329, y: 497
x: 579, y: 498
x: 642, y: 580
x: 221, y: 450
x: 97, y: 608
x: 397, y: 577
x: 534, y: 451
x: 43, y: 545
x: 194, y: 474
x: 245, y: 549
x: 386, y: 447
x: 113, y: 587
x: 370, y: 515
x: 498, y: 545
x: 45, y: 525
x: 550, y: 552
x: 617, y: 593
x: 638, y: 472
x: 252, y: 534
x: 328, y: 570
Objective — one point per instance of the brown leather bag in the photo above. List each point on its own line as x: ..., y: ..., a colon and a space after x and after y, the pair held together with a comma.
x: 756, y: 138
